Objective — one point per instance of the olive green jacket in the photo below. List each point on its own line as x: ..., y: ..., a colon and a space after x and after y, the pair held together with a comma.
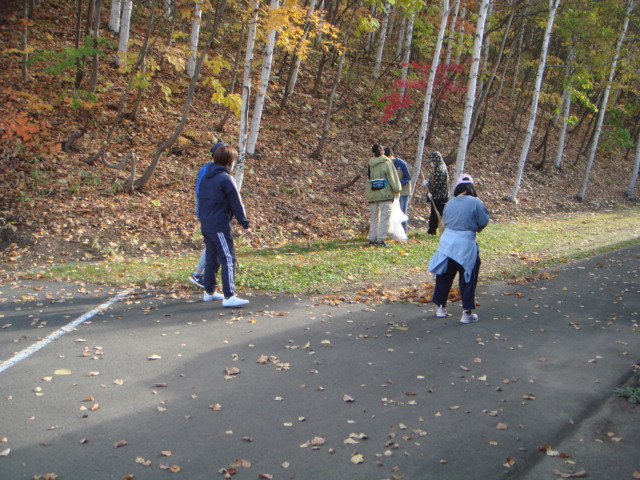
x: 382, y: 168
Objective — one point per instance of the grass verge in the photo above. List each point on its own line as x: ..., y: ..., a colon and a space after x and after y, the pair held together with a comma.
x: 512, y: 249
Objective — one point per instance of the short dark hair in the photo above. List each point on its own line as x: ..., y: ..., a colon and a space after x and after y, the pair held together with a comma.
x: 465, y: 189
x: 377, y: 150
x: 225, y: 155
x: 388, y: 151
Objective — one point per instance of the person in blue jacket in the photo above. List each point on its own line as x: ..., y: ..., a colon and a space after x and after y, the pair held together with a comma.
x: 218, y: 201
x: 197, y: 277
x: 458, y: 251
x: 402, y: 169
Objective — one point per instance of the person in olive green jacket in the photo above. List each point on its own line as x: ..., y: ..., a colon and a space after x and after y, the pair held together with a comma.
x: 381, y: 187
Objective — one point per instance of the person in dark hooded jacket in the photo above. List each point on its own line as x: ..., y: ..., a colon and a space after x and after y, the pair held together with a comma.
x: 438, y: 185
x: 218, y: 202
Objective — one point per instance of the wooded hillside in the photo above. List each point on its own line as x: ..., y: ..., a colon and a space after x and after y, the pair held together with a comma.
x: 104, y: 126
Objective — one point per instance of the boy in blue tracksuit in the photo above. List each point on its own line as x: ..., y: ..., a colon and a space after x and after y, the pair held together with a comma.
x: 218, y: 201
x: 197, y: 277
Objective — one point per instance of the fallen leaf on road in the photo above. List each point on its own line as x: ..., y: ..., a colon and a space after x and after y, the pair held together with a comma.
x: 62, y: 371
x: 501, y: 426
x: 232, y: 370
x: 172, y: 468
x: 357, y: 458
x: 580, y: 474
x: 154, y: 357
x: 216, y: 407
x: 347, y: 398
x: 318, y: 441
x: 166, y: 453
x: 5, y: 452
x: 509, y: 462
x: 143, y: 462
x: 120, y: 443
x: 227, y: 472
x: 268, y: 476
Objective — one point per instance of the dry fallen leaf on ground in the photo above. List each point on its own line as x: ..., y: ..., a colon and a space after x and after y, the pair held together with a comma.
x: 318, y: 441
x: 143, y: 462
x: 357, y: 458
x: 120, y: 443
x: 580, y: 474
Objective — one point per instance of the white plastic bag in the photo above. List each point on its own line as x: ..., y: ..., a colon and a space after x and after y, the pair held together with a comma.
x: 396, y: 231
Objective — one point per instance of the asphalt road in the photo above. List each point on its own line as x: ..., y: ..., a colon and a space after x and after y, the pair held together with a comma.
x: 151, y: 387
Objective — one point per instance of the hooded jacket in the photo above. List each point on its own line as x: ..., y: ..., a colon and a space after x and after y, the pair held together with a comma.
x: 382, y: 168
x: 438, y: 183
x: 218, y: 200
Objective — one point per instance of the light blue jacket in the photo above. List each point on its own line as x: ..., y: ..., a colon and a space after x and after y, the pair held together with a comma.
x: 463, y: 217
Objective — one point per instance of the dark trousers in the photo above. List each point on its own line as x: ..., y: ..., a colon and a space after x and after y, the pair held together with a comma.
x: 467, y: 289
x: 221, y: 255
x: 433, y: 217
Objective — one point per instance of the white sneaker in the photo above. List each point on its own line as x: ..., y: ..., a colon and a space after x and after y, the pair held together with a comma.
x: 441, y: 312
x: 469, y: 317
x: 213, y: 296
x: 234, y: 301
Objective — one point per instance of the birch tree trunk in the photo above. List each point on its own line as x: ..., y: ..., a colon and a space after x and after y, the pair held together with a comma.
x: 382, y: 38
x: 634, y: 174
x: 403, y: 26
x: 246, y: 92
x: 471, y: 91
x: 193, y: 42
x: 428, y: 95
x: 452, y: 31
x: 566, y: 109
x: 605, y: 99
x: 486, y: 88
x: 125, y: 26
x: 93, y: 81
x: 463, y: 15
x: 167, y: 9
x: 553, y: 7
x: 252, y: 138
x: 114, y: 17
x: 405, y: 61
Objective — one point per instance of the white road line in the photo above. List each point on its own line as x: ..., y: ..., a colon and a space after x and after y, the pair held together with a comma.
x: 30, y: 350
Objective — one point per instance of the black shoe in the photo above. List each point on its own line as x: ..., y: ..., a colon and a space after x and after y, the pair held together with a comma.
x: 383, y: 244
x: 429, y: 232
x: 372, y: 243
